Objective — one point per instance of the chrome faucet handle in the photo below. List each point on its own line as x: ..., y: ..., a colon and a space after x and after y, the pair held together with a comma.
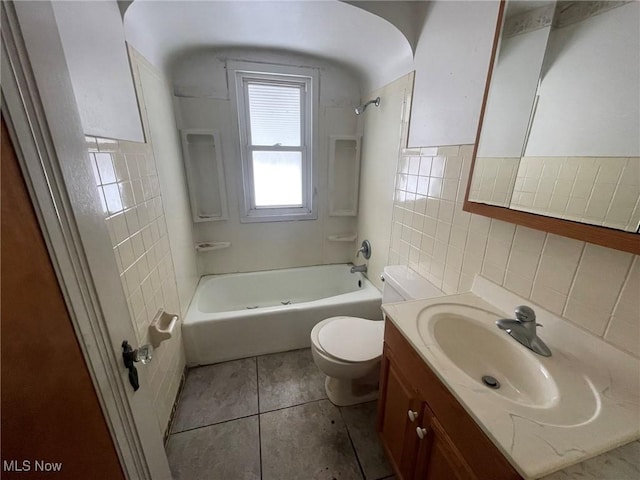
x: 365, y: 249
x: 525, y: 314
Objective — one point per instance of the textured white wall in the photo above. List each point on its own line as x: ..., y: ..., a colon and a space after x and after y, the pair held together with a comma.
x: 92, y: 36
x: 451, y: 63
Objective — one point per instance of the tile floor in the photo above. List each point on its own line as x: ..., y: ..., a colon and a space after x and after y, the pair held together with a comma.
x: 269, y: 418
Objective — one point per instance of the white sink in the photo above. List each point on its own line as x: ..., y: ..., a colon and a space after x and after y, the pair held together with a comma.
x: 549, y: 412
x: 469, y: 338
x: 541, y: 387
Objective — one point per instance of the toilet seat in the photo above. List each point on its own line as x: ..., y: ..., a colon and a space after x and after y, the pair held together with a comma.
x: 352, y: 339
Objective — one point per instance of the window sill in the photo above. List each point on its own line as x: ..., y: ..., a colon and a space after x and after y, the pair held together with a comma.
x: 259, y: 217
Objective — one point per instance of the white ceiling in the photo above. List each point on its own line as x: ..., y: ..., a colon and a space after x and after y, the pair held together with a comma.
x: 518, y: 7
x: 368, y: 44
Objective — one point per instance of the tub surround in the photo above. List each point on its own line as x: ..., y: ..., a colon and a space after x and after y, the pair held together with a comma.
x: 535, y: 448
x: 241, y: 315
x: 203, y: 101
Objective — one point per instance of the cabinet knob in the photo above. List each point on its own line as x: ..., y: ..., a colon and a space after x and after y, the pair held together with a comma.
x: 422, y: 432
x: 413, y: 416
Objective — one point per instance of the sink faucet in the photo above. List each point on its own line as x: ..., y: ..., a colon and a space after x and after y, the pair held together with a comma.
x: 523, y: 329
x: 359, y: 268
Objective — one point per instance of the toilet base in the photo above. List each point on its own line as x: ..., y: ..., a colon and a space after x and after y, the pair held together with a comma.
x: 345, y: 392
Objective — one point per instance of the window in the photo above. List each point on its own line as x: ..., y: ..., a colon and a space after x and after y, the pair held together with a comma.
x: 275, y: 122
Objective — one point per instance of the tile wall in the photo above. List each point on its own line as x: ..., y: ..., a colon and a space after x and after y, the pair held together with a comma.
x: 594, y: 287
x: 126, y: 176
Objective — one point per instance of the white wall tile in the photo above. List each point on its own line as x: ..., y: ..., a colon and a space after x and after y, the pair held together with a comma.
x: 581, y: 282
x: 596, y: 287
x: 105, y: 168
x: 560, y: 257
x: 624, y: 327
x: 139, y: 253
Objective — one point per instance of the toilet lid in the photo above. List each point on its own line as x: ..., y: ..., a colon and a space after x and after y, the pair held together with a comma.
x: 352, y: 339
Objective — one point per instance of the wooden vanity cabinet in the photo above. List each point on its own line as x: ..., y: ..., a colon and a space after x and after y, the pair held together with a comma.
x: 425, y: 432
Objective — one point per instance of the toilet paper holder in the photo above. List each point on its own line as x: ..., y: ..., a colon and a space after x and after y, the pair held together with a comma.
x: 161, y: 327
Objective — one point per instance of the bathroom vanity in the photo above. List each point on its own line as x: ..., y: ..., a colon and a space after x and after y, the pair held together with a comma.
x: 437, y: 420
x: 423, y: 428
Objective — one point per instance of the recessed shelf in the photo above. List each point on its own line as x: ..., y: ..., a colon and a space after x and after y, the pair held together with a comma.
x: 202, y: 152
x: 210, y: 246
x: 344, y: 174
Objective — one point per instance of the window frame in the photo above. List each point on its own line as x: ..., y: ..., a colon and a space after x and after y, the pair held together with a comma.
x: 240, y: 75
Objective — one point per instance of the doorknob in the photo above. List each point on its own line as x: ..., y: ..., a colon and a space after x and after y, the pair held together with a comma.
x: 413, y: 415
x: 143, y: 354
x: 422, y: 432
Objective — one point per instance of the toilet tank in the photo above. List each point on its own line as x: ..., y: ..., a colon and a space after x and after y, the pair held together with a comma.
x: 402, y: 284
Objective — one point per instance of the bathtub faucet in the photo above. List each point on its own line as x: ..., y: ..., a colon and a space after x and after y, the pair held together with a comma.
x: 359, y: 268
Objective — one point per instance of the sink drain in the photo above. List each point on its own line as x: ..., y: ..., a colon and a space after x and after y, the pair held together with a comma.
x: 490, y: 382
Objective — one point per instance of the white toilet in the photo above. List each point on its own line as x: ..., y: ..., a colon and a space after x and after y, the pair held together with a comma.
x: 348, y: 349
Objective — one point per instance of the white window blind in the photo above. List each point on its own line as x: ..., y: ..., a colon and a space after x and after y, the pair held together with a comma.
x: 274, y: 111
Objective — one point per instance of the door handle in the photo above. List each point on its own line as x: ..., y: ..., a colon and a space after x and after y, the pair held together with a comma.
x: 143, y: 354
x: 422, y: 432
x: 413, y: 415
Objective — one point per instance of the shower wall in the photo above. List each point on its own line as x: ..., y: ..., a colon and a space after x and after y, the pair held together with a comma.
x: 202, y: 101
x: 156, y: 105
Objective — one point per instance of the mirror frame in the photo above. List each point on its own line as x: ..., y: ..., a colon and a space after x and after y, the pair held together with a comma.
x: 606, y: 237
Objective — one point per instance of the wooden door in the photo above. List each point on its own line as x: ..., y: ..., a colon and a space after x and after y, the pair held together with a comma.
x: 396, y: 429
x: 51, y: 417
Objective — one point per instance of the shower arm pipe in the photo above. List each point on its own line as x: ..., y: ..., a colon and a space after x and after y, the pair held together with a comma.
x: 361, y: 108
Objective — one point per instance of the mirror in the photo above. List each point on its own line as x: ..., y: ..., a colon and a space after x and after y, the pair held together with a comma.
x: 560, y: 135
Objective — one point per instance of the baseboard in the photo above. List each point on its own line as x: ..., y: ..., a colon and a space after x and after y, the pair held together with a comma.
x: 172, y: 416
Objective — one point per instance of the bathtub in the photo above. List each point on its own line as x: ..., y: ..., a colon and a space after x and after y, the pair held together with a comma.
x: 245, y: 314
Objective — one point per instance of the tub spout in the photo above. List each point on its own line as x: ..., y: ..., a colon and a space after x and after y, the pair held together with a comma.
x: 359, y: 268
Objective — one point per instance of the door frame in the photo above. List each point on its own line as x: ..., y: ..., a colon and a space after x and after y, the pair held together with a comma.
x: 40, y: 110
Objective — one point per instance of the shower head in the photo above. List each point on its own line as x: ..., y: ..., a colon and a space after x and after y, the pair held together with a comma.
x: 364, y: 106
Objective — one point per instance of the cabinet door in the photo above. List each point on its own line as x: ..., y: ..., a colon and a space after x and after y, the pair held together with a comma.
x: 397, y: 429
x: 437, y: 457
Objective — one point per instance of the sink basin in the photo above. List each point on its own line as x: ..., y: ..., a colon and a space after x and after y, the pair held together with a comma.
x: 471, y: 341
x: 544, y: 389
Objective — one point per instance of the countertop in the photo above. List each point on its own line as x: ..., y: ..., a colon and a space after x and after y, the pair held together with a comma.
x: 602, y: 444
x: 622, y: 463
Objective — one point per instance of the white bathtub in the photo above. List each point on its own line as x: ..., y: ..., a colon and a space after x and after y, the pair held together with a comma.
x: 245, y: 314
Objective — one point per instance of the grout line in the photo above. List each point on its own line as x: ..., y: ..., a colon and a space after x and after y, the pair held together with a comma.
x: 248, y: 416
x: 540, y: 256
x: 573, y: 280
x: 295, y: 405
x: 213, y: 424
x: 353, y: 447
x: 625, y: 282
